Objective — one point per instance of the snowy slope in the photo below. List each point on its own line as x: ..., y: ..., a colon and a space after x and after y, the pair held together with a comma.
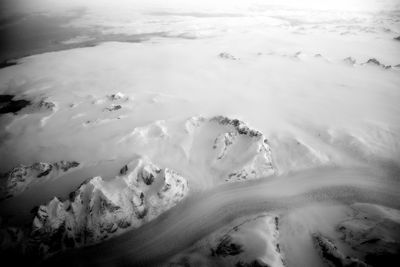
x: 22, y: 177
x: 249, y: 241
x: 208, y: 150
x: 98, y: 209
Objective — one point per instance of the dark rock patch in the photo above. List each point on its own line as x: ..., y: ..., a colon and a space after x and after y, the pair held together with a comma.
x: 46, y: 105
x: 375, y: 62
x: 66, y: 165
x: 46, y: 172
x: 8, y: 63
x: 124, y: 170
x: 254, y: 263
x: 8, y: 105
x: 349, y: 60
x: 383, y: 259
x: 331, y: 254
x: 240, y: 126
x: 21, y: 177
x: 113, y: 108
x: 148, y: 178
x: 225, y: 55
x: 226, y: 248
x: 375, y: 239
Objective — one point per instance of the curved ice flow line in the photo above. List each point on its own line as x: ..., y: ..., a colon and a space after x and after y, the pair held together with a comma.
x: 202, y: 213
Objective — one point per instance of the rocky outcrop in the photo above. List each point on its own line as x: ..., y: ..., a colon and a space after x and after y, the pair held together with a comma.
x: 368, y: 236
x: 12, y: 104
x: 228, y: 56
x: 217, y: 149
x: 112, y: 99
x: 113, y: 108
x: 98, y: 209
x: 375, y: 62
x: 239, y: 138
x: 349, y: 60
x: 45, y: 105
x: 373, y: 231
x: 228, y: 150
x: 371, y: 62
x: 238, y: 125
x: 23, y: 177
x: 117, y: 96
x: 9, y: 105
x: 298, y: 55
x: 233, y: 245
x: 8, y: 63
x: 332, y: 255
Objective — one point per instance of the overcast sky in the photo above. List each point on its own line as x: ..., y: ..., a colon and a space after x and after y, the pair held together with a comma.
x: 21, y: 6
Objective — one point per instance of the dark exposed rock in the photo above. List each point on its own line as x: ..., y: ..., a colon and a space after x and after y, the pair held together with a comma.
x: 226, y: 248
x: 233, y: 133
x: 297, y: 55
x: 45, y: 172
x: 254, y: 263
x: 8, y: 105
x: 106, y: 205
x: 331, y: 254
x: 375, y: 239
x: 240, y: 126
x: 227, y: 140
x: 124, y: 170
x: 117, y: 96
x: 349, y: 60
x: 148, y: 174
x: 375, y: 62
x: 142, y: 214
x: 8, y: 63
x: 113, y: 108
x: 66, y: 165
x: 22, y: 177
x: 45, y: 105
x: 225, y: 55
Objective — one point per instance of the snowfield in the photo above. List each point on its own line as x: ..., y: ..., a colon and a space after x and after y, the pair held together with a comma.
x: 208, y: 133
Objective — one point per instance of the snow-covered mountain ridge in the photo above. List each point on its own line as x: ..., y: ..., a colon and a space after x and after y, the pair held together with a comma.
x: 99, y: 209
